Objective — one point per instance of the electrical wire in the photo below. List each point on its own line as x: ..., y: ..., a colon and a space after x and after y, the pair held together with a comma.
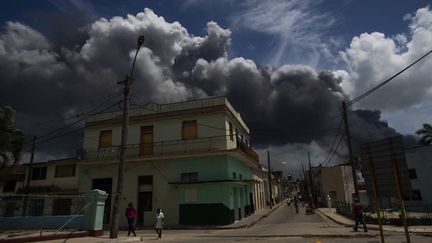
x: 362, y: 96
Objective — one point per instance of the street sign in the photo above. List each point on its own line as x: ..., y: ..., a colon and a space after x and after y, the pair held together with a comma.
x: 382, y: 153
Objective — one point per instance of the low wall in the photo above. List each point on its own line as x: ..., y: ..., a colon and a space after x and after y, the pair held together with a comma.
x: 44, y: 222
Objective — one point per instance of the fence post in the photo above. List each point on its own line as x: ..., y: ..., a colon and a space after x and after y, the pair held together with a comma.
x: 94, y: 213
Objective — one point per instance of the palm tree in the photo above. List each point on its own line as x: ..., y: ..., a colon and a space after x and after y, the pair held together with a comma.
x: 425, y: 134
x: 11, y: 139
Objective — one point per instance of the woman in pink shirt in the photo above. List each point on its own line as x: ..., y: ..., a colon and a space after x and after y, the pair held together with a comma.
x: 131, y: 214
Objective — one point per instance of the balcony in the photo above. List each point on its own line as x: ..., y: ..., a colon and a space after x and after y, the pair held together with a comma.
x: 170, y: 148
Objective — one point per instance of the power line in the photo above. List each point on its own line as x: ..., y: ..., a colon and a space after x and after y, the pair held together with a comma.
x: 334, y: 151
x: 61, y: 129
x: 360, y: 97
x: 325, y: 161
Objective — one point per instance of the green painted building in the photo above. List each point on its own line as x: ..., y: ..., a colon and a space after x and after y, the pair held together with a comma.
x: 191, y: 159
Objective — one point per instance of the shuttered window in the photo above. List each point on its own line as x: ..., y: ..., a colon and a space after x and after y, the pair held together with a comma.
x: 231, y: 131
x: 105, y: 139
x: 189, y: 130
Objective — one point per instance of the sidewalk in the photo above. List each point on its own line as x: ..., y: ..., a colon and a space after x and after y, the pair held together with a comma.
x: 145, y: 233
x: 243, y: 223
x: 331, y: 214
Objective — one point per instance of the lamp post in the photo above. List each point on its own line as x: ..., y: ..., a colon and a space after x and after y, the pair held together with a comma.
x: 118, y: 194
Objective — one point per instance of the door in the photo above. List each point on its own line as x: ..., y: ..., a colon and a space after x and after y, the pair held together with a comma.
x: 145, y: 196
x: 252, y: 206
x: 105, y: 184
x: 146, y: 144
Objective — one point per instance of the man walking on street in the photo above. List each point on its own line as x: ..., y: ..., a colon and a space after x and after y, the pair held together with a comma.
x: 358, y: 214
x: 131, y: 213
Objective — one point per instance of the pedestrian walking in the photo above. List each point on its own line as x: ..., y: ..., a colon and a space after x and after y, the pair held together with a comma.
x: 296, y: 205
x: 329, y: 202
x: 358, y: 210
x: 159, y: 222
x: 131, y: 214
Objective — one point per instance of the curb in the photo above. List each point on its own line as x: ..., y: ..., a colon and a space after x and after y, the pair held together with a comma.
x: 376, y: 227
x: 264, y: 215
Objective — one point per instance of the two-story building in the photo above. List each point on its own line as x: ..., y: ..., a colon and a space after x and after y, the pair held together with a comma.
x: 191, y: 159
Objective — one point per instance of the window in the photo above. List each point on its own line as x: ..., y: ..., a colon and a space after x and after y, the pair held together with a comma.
x: 9, y: 209
x: 240, y: 177
x: 189, y: 177
x: 65, y: 171
x: 231, y: 131
x: 105, y: 139
x: 146, y: 146
x: 61, y: 206
x: 39, y: 173
x: 189, y: 130
x: 234, y: 175
x: 416, y: 195
x: 145, y: 198
x: 9, y: 186
x: 412, y: 173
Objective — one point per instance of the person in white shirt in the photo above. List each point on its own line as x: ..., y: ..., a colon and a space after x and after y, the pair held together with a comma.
x: 159, y: 222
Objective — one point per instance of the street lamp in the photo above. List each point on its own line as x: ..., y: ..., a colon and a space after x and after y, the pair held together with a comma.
x: 118, y: 195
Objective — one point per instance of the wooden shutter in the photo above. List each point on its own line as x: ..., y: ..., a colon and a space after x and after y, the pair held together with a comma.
x: 105, y: 139
x: 146, y: 146
x: 189, y: 130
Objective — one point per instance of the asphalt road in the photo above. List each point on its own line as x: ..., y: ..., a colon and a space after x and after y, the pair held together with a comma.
x: 283, y: 225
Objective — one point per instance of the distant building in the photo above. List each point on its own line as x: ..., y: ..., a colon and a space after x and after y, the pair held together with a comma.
x: 336, y: 181
x: 419, y: 161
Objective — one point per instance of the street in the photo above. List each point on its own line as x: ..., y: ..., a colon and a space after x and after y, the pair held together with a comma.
x: 283, y: 225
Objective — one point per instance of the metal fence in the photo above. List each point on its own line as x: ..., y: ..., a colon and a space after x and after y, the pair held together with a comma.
x: 41, y: 205
x: 208, y: 144
x: 416, y: 215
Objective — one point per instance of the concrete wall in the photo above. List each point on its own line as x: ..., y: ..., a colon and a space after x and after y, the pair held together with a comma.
x: 420, y: 159
x: 165, y: 196
x: 339, y: 179
x: 42, y: 222
x: 209, y: 125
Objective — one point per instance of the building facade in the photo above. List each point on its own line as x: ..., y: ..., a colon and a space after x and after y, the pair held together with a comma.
x: 191, y: 159
x: 419, y: 161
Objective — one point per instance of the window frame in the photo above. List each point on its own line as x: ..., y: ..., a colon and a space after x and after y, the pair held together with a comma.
x: 189, y: 177
x: 189, y: 124
x: 56, y: 175
x: 100, y: 139
x: 41, y: 170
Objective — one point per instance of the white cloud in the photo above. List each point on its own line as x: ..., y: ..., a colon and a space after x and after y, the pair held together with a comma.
x: 373, y: 57
x: 295, y: 24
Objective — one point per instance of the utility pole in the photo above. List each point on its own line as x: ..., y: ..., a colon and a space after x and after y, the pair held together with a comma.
x: 29, y: 176
x: 269, y: 179
x: 310, y: 180
x: 351, y: 157
x: 305, y: 182
x: 126, y: 99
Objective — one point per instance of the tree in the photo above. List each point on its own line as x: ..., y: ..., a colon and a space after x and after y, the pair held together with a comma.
x: 425, y: 134
x: 11, y: 139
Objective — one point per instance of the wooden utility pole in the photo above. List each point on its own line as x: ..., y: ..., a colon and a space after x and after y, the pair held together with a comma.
x: 401, y: 201
x: 351, y: 156
x: 29, y: 176
x: 376, y: 197
x: 119, y: 193
x: 305, y: 182
x: 269, y: 179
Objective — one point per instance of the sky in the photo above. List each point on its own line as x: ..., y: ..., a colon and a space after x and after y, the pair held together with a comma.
x: 286, y: 65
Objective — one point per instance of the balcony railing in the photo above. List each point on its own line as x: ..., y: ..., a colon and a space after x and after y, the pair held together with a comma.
x: 172, y: 147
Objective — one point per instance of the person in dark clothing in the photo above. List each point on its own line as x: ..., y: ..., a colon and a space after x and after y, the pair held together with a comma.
x: 131, y: 214
x: 358, y: 215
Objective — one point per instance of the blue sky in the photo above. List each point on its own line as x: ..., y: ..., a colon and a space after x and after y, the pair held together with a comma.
x: 293, y: 60
x: 351, y: 18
